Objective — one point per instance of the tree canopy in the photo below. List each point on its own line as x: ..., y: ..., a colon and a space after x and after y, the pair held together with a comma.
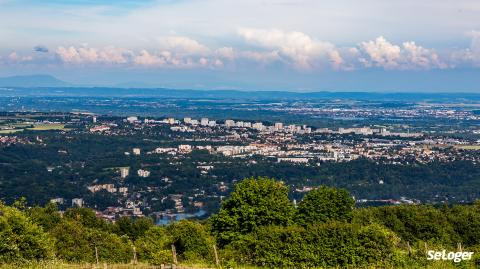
x: 324, y: 204
x: 254, y: 203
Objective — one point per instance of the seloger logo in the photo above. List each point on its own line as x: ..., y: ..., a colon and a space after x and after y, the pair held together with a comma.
x: 443, y: 255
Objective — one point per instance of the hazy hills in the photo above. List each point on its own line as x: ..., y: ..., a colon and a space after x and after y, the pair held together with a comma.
x: 32, y: 81
x: 46, y: 85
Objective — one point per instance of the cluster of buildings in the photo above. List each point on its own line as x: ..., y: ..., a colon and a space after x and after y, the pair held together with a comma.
x: 8, y: 140
x: 278, y: 142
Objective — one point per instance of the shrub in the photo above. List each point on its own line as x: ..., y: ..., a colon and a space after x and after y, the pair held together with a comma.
x: 21, y: 239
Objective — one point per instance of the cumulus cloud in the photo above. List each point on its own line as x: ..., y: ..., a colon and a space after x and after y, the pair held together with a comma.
x: 263, y: 58
x: 296, y: 47
x: 261, y: 48
x: 15, y: 58
x: 184, y: 45
x: 146, y: 59
x: 471, y: 55
x: 88, y: 55
x: 173, y: 52
x: 225, y: 53
x: 382, y: 53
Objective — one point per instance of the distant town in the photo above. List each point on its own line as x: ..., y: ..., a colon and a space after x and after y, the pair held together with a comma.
x: 172, y: 168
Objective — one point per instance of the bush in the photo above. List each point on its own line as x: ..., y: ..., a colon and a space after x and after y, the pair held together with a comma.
x: 154, y: 246
x: 330, y: 245
x: 133, y: 228
x: 111, y: 247
x: 22, y: 240
x: 72, y: 244
x: 417, y: 223
x: 192, y: 241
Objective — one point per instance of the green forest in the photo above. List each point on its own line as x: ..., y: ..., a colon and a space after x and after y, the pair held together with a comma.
x: 256, y: 226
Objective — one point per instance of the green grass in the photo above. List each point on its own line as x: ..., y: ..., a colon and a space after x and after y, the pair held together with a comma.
x: 39, y: 127
x: 469, y: 147
x: 60, y: 265
x: 48, y: 127
x: 10, y: 131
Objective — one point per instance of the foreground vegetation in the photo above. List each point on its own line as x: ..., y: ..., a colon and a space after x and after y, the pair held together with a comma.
x: 257, y: 226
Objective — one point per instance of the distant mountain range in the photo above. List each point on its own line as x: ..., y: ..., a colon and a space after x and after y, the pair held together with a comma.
x: 33, y: 81
x: 46, y: 85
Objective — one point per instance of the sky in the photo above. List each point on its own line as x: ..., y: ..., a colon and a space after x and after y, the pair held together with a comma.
x: 302, y: 45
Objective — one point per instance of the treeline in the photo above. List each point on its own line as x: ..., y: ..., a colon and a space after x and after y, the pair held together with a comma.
x: 257, y: 225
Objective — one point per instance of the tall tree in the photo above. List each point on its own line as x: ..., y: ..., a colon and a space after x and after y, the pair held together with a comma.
x: 255, y: 202
x: 324, y: 204
x: 20, y: 239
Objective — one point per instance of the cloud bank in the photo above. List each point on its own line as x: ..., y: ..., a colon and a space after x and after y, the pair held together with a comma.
x: 261, y: 48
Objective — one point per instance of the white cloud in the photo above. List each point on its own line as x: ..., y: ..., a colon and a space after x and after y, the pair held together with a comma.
x: 382, y: 53
x: 471, y: 55
x: 263, y: 58
x: 415, y: 56
x: 88, y: 55
x: 295, y: 50
x: 15, y: 58
x: 184, y: 45
x: 296, y: 47
x: 144, y: 58
x: 174, y: 52
x: 225, y: 53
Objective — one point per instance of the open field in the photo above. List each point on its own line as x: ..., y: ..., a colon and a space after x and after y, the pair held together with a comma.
x: 10, y: 131
x: 469, y: 147
x: 48, y: 127
x: 20, y: 127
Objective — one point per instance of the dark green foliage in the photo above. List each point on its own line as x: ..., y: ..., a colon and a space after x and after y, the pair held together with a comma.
x: 110, y: 247
x: 76, y: 243
x: 132, y: 228
x: 466, y: 223
x: 191, y: 240
x: 72, y: 243
x: 414, y: 223
x: 325, y: 204
x: 256, y: 226
x: 47, y: 217
x: 256, y: 202
x: 330, y: 244
x: 20, y: 239
x: 86, y: 217
x: 155, y: 246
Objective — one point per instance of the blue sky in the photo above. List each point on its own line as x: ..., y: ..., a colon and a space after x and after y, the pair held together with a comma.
x: 224, y: 44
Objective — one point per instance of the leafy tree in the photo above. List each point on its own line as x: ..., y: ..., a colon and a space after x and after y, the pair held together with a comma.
x: 255, y: 202
x: 20, y: 239
x: 133, y: 228
x: 466, y: 223
x: 325, y: 204
x: 47, y: 217
x: 326, y: 245
x: 417, y: 222
x: 155, y: 246
x: 110, y: 247
x: 72, y: 242
x: 191, y: 240
x: 86, y: 217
